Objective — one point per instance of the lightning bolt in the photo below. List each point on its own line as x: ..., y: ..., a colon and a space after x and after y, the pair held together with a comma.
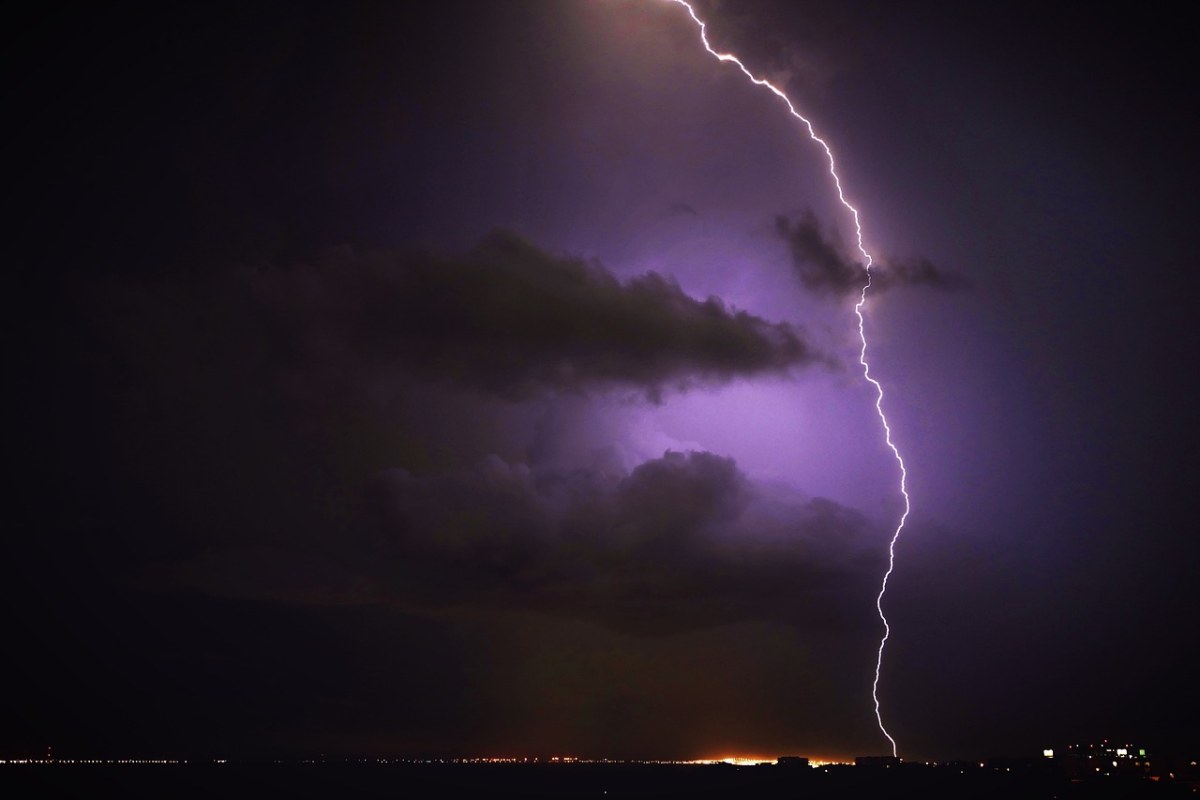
x: 862, y: 336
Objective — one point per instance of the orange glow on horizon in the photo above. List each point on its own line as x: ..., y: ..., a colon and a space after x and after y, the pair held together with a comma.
x: 743, y: 759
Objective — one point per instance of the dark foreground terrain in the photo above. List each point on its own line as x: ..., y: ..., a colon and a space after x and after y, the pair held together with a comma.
x: 338, y: 780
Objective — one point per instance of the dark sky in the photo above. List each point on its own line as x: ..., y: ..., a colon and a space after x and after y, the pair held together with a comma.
x: 482, y: 380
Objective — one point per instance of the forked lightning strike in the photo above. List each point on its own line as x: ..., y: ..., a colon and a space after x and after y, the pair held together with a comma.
x: 862, y: 354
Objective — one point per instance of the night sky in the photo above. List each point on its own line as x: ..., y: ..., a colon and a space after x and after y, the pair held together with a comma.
x: 482, y: 380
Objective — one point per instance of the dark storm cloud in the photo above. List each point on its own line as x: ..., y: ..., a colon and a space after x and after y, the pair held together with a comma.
x: 510, y: 319
x: 252, y: 403
x: 817, y: 257
x: 820, y: 262
x: 680, y: 542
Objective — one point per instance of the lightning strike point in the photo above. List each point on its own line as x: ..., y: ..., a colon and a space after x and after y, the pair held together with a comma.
x: 862, y: 353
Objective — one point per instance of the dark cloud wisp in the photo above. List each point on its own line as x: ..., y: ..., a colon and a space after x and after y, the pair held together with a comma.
x: 820, y: 262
